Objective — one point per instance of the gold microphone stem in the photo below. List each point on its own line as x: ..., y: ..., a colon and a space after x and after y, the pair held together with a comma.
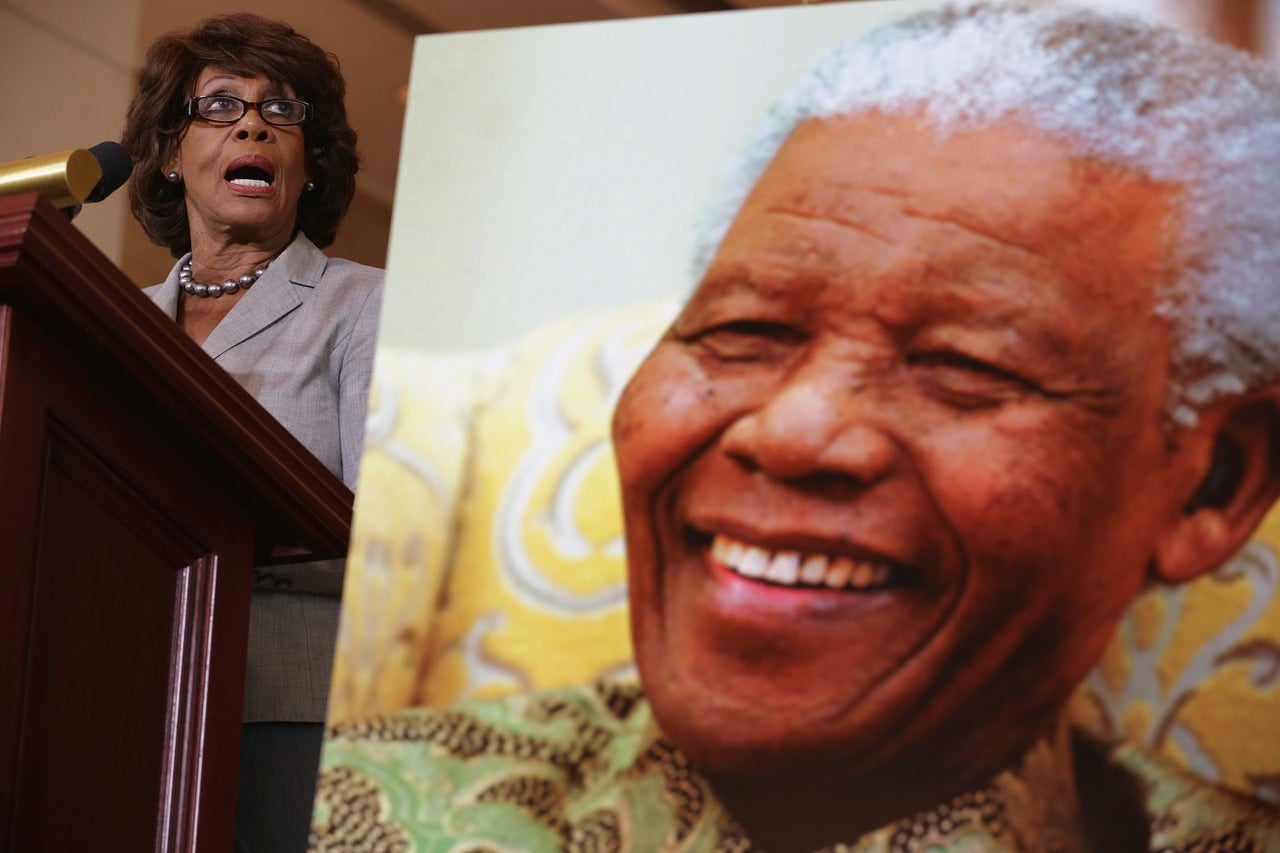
x: 65, y: 178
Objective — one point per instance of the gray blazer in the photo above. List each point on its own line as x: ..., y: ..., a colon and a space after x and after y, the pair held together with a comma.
x: 301, y: 341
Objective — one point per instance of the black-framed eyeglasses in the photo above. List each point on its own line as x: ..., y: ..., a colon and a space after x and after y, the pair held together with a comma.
x: 226, y: 109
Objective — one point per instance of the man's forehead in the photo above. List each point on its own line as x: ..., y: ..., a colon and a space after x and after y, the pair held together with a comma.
x: 828, y: 239
x: 902, y: 186
x: 877, y: 157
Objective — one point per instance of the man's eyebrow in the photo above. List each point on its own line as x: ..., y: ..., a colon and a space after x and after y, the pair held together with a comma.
x: 739, y: 278
x: 1032, y: 339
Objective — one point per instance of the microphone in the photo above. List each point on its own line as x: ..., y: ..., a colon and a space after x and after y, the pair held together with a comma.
x: 69, y: 178
x: 116, y: 166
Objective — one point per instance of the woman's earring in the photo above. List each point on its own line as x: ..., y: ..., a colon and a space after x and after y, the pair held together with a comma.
x: 173, y: 178
x: 308, y: 186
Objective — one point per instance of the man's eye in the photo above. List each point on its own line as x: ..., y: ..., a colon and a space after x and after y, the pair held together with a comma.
x: 747, y: 340
x: 949, y: 359
x: 969, y: 382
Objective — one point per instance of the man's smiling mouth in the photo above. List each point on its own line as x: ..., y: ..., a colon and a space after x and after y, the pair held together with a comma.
x: 800, y: 568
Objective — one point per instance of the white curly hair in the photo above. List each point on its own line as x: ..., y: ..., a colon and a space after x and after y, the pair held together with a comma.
x: 1175, y: 107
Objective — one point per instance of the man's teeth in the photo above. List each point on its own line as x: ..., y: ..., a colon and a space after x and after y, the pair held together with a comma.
x: 249, y: 182
x: 793, y: 568
x: 784, y: 567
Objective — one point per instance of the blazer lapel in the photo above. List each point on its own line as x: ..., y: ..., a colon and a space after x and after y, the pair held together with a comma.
x: 165, y: 295
x: 271, y: 297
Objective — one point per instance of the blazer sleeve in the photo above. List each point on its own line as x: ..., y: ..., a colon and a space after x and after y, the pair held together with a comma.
x: 353, y: 384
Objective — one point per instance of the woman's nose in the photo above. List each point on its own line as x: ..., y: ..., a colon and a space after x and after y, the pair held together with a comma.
x: 251, y: 125
x: 816, y: 426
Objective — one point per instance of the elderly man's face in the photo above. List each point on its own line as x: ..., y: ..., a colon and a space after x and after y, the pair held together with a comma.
x: 897, y: 469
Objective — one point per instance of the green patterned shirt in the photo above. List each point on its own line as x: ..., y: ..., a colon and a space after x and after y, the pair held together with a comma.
x: 587, y: 770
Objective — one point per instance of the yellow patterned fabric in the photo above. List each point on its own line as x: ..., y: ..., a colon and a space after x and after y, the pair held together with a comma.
x: 487, y: 549
x: 416, y: 446
x: 487, y: 558
x: 1194, y: 672
x: 537, y: 596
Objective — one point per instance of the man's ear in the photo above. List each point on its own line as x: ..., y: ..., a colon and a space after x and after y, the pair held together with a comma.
x: 1235, y: 484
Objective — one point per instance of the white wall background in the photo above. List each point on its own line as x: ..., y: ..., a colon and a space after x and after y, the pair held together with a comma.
x: 551, y: 169
x: 66, y: 77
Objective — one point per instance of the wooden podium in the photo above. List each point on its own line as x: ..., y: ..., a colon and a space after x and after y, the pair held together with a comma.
x: 138, y: 484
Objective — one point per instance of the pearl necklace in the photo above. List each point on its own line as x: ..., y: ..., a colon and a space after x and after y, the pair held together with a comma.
x: 231, y: 285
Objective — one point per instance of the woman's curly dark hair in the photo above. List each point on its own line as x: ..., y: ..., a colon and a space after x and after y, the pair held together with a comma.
x: 245, y: 45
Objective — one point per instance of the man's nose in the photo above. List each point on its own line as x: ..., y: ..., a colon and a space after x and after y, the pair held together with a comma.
x: 821, y: 425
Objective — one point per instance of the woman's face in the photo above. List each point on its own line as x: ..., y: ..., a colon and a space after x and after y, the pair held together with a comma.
x: 243, y: 179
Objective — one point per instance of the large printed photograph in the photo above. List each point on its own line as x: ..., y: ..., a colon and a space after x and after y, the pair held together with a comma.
x: 846, y: 427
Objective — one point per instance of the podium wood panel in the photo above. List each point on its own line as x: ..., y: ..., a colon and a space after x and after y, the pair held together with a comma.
x: 139, y: 483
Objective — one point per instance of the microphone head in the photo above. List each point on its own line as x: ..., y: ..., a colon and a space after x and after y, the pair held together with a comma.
x: 116, y: 165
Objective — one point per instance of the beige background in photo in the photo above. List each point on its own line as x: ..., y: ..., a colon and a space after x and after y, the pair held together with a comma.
x: 557, y: 169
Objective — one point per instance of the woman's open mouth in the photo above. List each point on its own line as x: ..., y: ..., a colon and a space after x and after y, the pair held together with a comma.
x: 252, y: 173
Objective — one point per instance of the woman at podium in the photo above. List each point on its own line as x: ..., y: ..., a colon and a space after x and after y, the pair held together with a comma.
x: 244, y: 166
